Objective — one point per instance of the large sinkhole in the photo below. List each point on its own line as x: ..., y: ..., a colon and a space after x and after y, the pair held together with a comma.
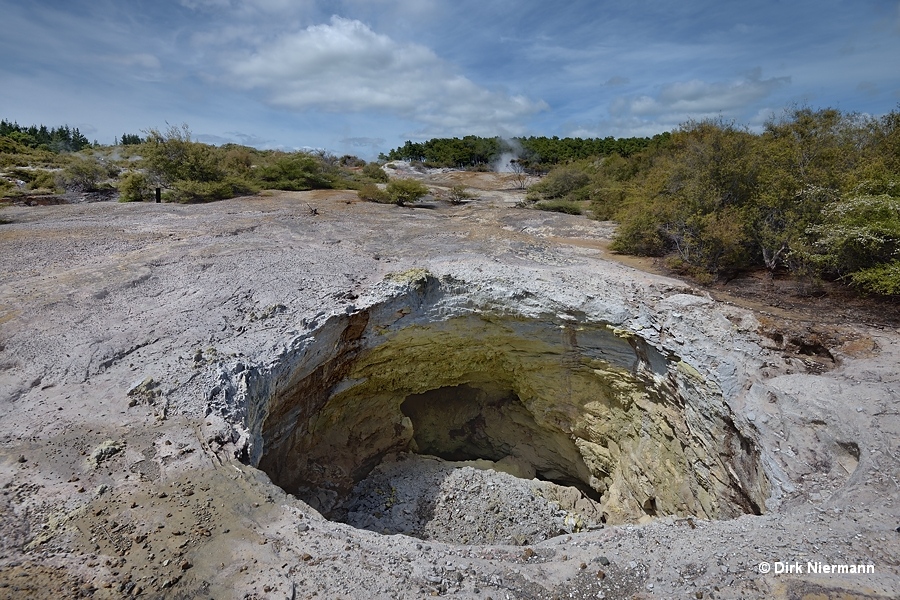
x: 396, y: 418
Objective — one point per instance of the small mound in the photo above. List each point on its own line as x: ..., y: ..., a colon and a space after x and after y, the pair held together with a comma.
x: 464, y: 503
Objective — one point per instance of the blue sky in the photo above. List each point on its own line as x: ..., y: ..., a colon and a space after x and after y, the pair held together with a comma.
x: 363, y: 76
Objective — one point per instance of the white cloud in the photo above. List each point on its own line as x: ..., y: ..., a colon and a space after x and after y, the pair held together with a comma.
x: 698, y: 98
x: 399, y: 7
x: 345, y: 66
x: 363, y: 142
x: 618, y: 127
x: 141, y: 60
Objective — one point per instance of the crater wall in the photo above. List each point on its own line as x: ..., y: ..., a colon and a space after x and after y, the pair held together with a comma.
x: 566, y: 397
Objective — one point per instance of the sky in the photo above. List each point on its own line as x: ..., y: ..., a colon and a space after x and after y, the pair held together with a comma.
x: 363, y: 76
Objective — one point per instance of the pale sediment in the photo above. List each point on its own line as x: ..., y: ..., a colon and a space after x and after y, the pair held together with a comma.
x: 181, y: 385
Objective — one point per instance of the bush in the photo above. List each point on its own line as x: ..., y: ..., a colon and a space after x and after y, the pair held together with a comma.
x: 856, y: 234
x: 237, y: 160
x: 172, y: 156
x: 560, y: 206
x: 135, y: 187
x: 374, y: 172
x: 459, y: 194
x: 294, y: 172
x: 15, y: 153
x: 406, y: 191
x: 83, y: 174
x: 35, y: 179
x: 639, y: 234
x: 208, y: 191
x: 372, y: 193
x: 200, y: 191
x: 349, y: 160
x: 560, y: 182
x: 42, y: 180
x: 883, y: 279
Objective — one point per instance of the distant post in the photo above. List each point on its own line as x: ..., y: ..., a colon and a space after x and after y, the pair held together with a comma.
x: 158, y: 195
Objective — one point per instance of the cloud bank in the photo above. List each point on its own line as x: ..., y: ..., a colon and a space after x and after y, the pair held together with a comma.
x: 698, y: 98
x: 344, y: 66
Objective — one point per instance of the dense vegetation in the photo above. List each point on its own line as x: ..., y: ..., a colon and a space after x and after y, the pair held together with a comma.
x: 816, y: 193
x: 39, y: 137
x: 532, y: 153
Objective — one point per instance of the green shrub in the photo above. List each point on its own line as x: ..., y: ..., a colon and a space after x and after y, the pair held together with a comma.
x: 83, y: 174
x: 561, y: 206
x: 372, y: 193
x: 374, y: 172
x: 42, y: 180
x: 406, y: 191
x: 459, y: 194
x: 15, y: 153
x: 188, y: 191
x: 172, y: 156
x: 883, y: 279
x: 856, y: 234
x: 560, y: 182
x: 207, y: 191
x: 294, y: 172
x: 135, y: 187
x: 35, y: 179
x: 639, y: 234
x: 196, y: 172
x: 237, y: 160
x: 349, y: 160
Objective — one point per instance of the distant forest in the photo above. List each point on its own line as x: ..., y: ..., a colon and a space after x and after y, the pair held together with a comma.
x: 532, y: 153
x: 56, y: 139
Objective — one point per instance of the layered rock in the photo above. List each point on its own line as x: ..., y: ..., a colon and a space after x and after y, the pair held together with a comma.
x: 571, y: 398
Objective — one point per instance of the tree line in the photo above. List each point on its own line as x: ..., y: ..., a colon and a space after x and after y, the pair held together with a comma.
x: 533, y: 153
x: 815, y: 193
x: 40, y: 137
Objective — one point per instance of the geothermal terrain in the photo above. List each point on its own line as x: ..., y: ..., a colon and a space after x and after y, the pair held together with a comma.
x: 253, y: 399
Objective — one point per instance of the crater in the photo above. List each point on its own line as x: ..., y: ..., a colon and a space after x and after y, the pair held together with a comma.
x: 428, y: 383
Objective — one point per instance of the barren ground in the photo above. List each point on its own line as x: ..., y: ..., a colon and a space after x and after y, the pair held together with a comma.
x: 113, y: 489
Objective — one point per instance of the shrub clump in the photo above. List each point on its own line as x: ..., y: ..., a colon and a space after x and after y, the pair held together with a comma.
x: 35, y: 179
x: 459, y: 194
x: 84, y: 174
x: 294, y: 172
x: 406, y: 191
x: 135, y: 187
x: 399, y: 191
x: 883, y: 279
x: 374, y: 172
x: 559, y: 183
x: 372, y: 193
x: 561, y: 206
